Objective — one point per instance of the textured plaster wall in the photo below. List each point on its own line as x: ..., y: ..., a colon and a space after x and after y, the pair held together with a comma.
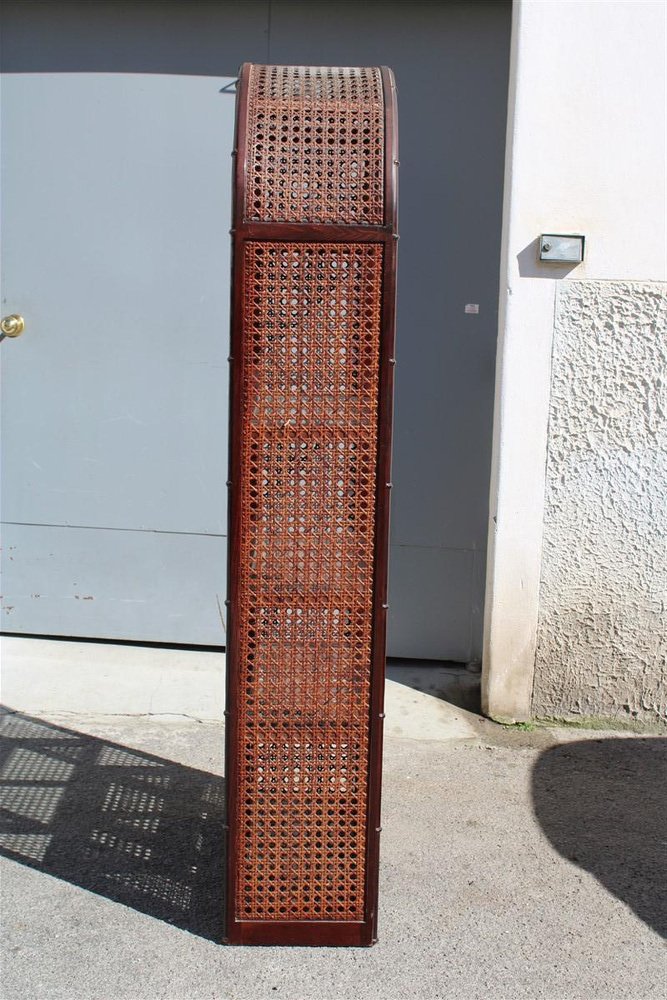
x: 602, y: 620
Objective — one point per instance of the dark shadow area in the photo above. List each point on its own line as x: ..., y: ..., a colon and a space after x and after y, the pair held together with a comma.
x: 444, y: 679
x: 603, y: 805
x: 140, y: 830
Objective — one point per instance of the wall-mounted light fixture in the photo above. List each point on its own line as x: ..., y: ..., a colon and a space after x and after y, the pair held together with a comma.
x: 559, y: 249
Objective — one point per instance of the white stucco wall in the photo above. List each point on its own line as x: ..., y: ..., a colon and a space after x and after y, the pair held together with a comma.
x: 602, y: 617
x: 585, y: 154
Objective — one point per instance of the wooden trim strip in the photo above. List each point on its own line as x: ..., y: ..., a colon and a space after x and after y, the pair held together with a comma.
x: 303, y: 933
x: 308, y: 232
x: 383, y: 498
x: 233, y: 497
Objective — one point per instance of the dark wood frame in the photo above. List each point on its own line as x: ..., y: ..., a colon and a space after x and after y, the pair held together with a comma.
x: 311, y: 932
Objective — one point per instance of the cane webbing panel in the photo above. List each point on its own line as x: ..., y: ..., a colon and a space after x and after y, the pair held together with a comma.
x: 312, y: 343
x: 308, y: 465
x: 315, y: 145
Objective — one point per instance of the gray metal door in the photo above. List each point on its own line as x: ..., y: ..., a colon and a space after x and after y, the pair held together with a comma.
x: 116, y: 142
x: 116, y: 252
x: 450, y: 62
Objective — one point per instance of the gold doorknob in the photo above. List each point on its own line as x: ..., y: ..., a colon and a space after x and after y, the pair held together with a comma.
x: 12, y: 326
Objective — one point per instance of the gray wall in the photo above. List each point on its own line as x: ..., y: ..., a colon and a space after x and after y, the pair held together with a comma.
x: 451, y: 62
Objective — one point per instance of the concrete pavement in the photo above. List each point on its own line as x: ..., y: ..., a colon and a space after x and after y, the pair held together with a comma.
x: 514, y: 865
x: 89, y: 678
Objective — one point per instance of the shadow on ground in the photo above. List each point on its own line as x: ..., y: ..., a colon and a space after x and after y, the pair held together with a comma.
x: 602, y: 804
x: 122, y: 823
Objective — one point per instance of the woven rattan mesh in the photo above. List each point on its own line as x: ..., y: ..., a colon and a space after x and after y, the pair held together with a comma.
x: 315, y: 145
x: 308, y: 462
